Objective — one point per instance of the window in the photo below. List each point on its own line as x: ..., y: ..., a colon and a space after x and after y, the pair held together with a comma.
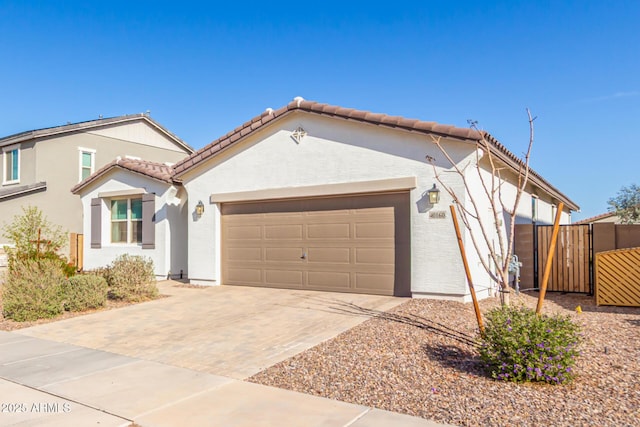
x: 534, y: 208
x: 87, y: 162
x: 11, y: 165
x: 126, y: 221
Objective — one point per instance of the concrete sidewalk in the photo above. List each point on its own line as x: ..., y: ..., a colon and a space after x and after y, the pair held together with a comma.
x: 47, y: 383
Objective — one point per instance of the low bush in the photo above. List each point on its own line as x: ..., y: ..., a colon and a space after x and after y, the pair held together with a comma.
x: 100, y: 271
x: 520, y: 346
x: 131, y: 278
x: 33, y: 237
x: 33, y: 289
x: 84, y: 292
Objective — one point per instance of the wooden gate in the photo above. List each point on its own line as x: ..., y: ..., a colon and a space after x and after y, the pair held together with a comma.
x: 618, y: 277
x: 570, y: 268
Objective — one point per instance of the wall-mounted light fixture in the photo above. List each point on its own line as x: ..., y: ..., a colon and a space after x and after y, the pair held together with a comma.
x: 434, y: 195
x: 200, y: 208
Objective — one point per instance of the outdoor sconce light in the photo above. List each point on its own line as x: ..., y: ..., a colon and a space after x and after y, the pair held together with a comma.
x: 200, y: 208
x: 434, y: 195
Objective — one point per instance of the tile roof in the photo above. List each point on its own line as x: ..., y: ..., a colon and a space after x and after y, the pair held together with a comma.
x: 91, y: 124
x: 154, y: 170
x: 382, y: 120
x: 595, y: 218
x: 298, y: 104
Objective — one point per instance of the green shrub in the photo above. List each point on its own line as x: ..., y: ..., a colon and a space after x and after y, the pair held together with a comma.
x: 131, y: 278
x: 84, y: 292
x: 100, y: 271
x: 519, y: 346
x: 34, y: 237
x: 33, y: 289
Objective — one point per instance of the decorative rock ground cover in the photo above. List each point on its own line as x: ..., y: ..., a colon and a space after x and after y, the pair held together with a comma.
x: 419, y: 359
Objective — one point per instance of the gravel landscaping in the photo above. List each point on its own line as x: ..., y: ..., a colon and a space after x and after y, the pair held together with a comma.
x: 419, y: 359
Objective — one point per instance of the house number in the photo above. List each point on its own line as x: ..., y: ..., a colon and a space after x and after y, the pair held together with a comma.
x: 437, y: 214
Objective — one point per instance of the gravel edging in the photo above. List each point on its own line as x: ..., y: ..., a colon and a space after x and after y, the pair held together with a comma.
x: 416, y: 359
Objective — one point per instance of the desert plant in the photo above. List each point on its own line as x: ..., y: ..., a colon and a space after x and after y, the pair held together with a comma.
x: 33, y: 289
x: 492, y: 236
x: 33, y: 237
x: 84, y: 292
x: 131, y: 278
x: 520, y: 346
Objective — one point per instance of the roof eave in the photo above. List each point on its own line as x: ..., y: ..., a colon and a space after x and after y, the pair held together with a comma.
x: 77, y: 189
x: 85, y: 126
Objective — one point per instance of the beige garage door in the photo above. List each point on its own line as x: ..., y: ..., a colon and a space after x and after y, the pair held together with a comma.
x: 345, y: 244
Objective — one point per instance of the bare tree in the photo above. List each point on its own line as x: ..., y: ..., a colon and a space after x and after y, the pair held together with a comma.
x: 502, y: 204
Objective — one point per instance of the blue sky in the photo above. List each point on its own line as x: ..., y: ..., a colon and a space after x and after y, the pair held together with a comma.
x: 203, y: 68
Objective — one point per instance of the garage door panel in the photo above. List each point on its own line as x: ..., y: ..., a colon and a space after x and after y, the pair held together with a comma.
x: 374, y: 283
x: 279, y: 232
x: 323, y: 215
x: 329, y: 255
x: 245, y: 275
x: 375, y: 230
x: 329, y: 280
x: 378, y: 212
x: 378, y: 256
x: 244, y: 254
x: 283, y: 254
x: 284, y: 277
x: 329, y: 231
x: 350, y: 244
x: 244, y: 232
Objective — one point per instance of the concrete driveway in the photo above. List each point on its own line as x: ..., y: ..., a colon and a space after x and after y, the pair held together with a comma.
x: 227, y: 330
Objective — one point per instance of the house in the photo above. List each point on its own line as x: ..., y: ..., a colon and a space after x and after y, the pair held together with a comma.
x: 319, y: 197
x: 39, y: 166
x: 130, y: 205
x: 608, y: 217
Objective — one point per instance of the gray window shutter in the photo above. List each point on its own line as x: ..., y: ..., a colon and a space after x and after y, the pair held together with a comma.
x: 148, y: 221
x: 96, y: 223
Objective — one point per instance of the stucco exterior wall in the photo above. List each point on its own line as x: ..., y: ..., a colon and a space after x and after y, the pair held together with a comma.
x: 545, y: 215
x: 169, y: 255
x: 141, y: 133
x: 333, y: 152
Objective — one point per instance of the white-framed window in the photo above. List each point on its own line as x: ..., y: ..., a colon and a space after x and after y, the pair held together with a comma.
x: 126, y: 220
x: 11, y: 164
x: 534, y: 208
x: 87, y: 162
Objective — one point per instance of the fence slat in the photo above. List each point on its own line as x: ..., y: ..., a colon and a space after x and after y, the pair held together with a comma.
x: 570, y: 268
x: 618, y: 277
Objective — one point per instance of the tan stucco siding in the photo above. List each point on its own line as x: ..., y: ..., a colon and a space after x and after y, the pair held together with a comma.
x: 141, y: 133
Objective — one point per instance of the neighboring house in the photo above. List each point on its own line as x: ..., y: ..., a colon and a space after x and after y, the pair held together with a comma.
x: 38, y: 167
x: 319, y: 197
x: 605, y: 217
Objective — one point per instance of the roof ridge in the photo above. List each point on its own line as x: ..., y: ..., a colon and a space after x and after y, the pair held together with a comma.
x: 87, y: 124
x: 323, y: 109
x: 363, y: 116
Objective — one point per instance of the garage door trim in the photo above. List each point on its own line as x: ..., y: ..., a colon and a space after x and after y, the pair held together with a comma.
x: 325, y: 190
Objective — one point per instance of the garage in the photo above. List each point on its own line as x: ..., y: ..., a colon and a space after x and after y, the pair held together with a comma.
x: 356, y: 243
